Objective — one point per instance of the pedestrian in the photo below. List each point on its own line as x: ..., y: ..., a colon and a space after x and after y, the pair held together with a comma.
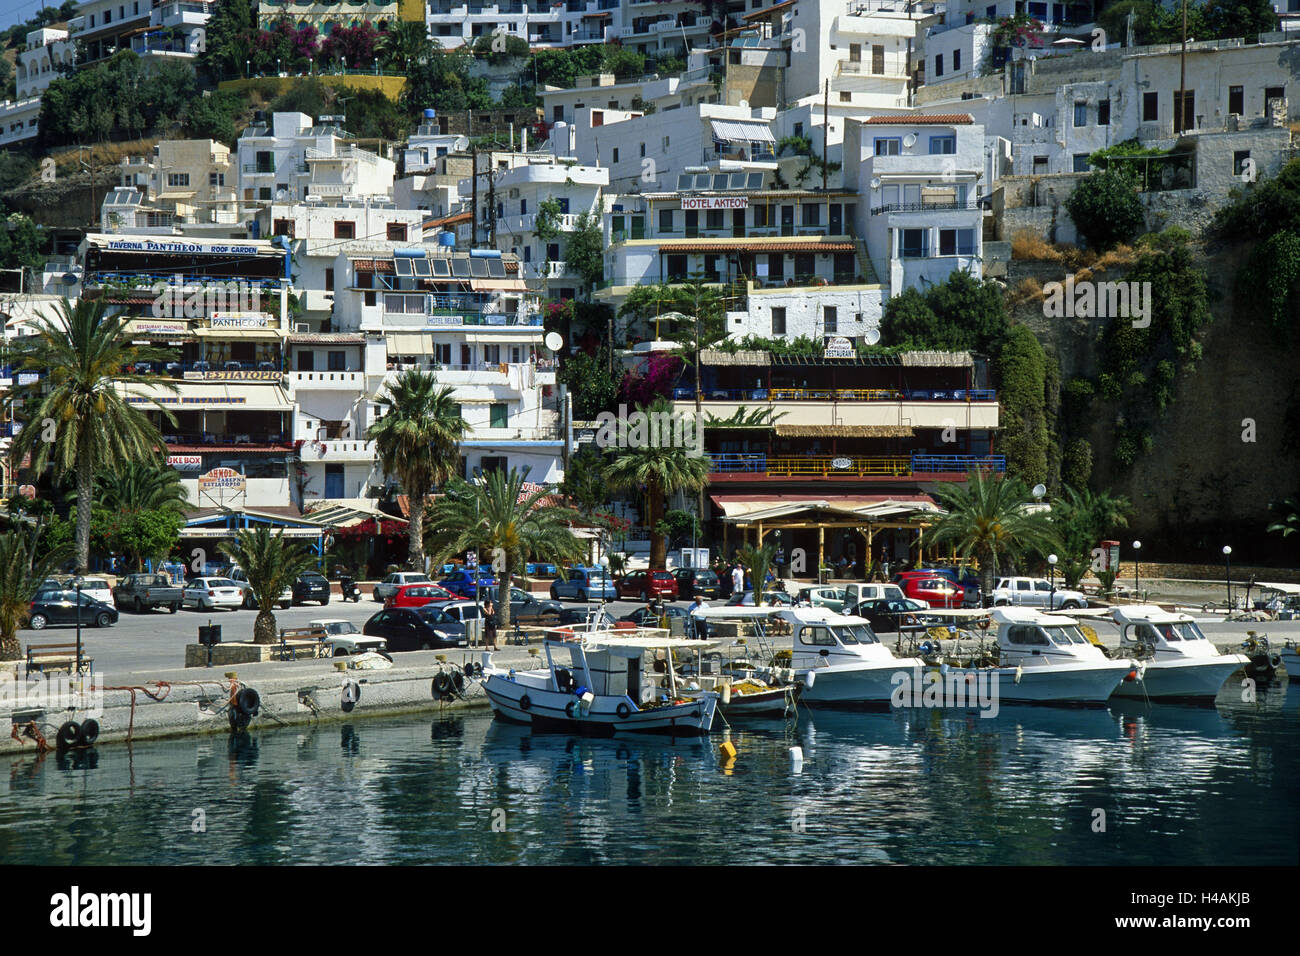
x: 701, y: 623
x: 490, y: 625
x: 737, y: 580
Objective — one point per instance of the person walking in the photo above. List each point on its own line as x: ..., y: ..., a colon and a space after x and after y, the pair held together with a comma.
x: 490, y: 625
x: 701, y: 623
x: 737, y: 580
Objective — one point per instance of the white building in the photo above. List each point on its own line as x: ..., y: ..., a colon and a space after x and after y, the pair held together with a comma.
x: 48, y: 51
x: 605, y: 91
x: 184, y: 187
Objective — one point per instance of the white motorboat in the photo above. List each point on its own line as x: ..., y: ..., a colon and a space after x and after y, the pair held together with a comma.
x: 1178, y: 663
x: 594, y: 684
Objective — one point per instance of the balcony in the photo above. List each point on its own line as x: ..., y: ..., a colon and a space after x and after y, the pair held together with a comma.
x: 851, y: 466
x: 339, y: 381
x: 972, y: 204
x: 333, y: 450
x: 783, y: 394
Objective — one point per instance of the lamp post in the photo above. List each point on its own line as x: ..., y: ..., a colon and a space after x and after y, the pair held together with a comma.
x: 78, y: 583
x: 1137, y: 573
x: 1051, y: 571
x: 1227, y: 571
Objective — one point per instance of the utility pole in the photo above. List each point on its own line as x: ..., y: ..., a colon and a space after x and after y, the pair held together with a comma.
x: 473, y: 196
x: 826, y: 130
x: 1181, y: 106
x: 492, y: 201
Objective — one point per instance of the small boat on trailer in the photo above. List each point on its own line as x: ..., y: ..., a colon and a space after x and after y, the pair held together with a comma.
x: 1178, y: 662
x: 593, y: 683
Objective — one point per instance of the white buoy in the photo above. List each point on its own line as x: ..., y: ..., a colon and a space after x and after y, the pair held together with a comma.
x: 726, y: 692
x: 796, y: 759
x: 809, y: 679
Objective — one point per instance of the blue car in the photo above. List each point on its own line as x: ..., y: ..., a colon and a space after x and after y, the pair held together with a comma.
x: 463, y: 581
x: 584, y: 584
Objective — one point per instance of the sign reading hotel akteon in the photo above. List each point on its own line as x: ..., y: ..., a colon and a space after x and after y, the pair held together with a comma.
x: 226, y: 479
x: 839, y: 347
x: 715, y: 202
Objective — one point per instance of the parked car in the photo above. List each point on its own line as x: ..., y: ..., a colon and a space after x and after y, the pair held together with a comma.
x: 934, y: 590
x: 693, y: 581
x: 527, y: 609
x: 418, y: 595
x: 857, y: 593
x: 465, y: 582
x: 1036, y: 592
x: 458, y: 610
x: 968, y: 582
x: 145, y: 592
x: 59, y: 606
x: 98, y: 589
x: 414, y: 629
x: 209, y: 593
x: 889, y: 615
x: 580, y: 615
x: 344, y: 638
x: 644, y: 617
x: 648, y: 584
x: 311, y: 586
x: 236, y: 574
x: 584, y: 584
x: 770, y: 599
x: 832, y: 598
x: 385, y: 588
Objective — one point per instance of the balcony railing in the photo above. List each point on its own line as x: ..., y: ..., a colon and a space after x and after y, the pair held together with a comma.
x: 784, y: 394
x: 927, y: 207
x: 829, y: 466
x: 226, y: 441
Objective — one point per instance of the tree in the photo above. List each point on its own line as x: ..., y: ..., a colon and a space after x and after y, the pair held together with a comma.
x: 147, y: 485
x: 658, y: 467
x: 584, y: 250
x: 356, y: 46
x: 229, y: 39
x: 24, y: 566
x: 406, y: 42
x: 1082, y: 518
x: 508, y: 525
x: 1288, y: 513
x: 589, y: 381
x: 959, y: 314
x: 757, y: 561
x: 1022, y: 372
x: 146, y: 535
x: 1106, y: 209
x: 417, y: 441
x: 271, y: 564
x: 77, y: 416
x: 991, y: 519
x: 20, y: 243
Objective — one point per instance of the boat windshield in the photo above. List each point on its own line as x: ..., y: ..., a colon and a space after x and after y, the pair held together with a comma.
x: 1066, y: 635
x: 1186, y: 630
x: 855, y: 634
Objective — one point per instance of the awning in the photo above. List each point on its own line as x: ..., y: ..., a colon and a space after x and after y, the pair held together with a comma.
x: 209, y: 397
x: 407, y: 343
x: 731, y: 131
x: 603, y: 15
x: 937, y: 359
x: 843, y: 431
x: 751, y: 508
x: 328, y: 338
x: 264, y: 335
x: 742, y: 358
x: 498, y: 285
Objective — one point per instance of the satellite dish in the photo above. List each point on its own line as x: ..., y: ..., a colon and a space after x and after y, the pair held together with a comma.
x: 872, y: 336
x: 875, y: 183
x: 554, y: 341
x: 909, y: 140
x: 1039, y: 491
x: 744, y: 104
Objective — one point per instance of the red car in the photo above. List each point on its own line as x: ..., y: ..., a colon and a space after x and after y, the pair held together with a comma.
x: 418, y: 595
x: 933, y: 589
x: 648, y: 584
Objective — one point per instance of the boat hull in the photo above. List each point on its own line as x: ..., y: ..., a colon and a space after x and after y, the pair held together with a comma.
x: 1065, y: 685
x: 545, y: 709
x: 1198, y: 679
x: 849, y: 685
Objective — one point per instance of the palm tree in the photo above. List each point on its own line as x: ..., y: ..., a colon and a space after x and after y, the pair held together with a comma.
x: 496, y: 516
x: 1288, y: 511
x: 406, y: 42
x: 658, y: 466
x: 271, y: 564
x: 22, y: 570
x: 417, y: 441
x: 78, y: 416
x: 991, y: 519
x: 1082, y: 518
x: 142, y: 486
x: 758, y: 561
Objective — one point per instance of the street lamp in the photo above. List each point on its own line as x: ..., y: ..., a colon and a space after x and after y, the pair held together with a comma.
x: 1051, y: 570
x: 78, y: 583
x: 1137, y: 573
x: 1227, y: 571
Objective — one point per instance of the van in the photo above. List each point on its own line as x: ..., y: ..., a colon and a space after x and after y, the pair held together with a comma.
x: 855, y: 594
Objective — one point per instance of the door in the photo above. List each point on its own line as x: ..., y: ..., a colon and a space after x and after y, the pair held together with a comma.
x: 837, y: 219
x: 334, y: 481
x: 738, y: 222
x: 787, y: 220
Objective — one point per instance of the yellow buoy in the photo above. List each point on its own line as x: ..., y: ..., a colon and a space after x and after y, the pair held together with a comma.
x: 728, y: 750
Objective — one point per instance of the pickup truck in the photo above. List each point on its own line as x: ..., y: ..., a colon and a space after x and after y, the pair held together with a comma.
x: 141, y: 592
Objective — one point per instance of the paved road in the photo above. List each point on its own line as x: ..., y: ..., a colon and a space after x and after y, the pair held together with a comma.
x: 156, y: 639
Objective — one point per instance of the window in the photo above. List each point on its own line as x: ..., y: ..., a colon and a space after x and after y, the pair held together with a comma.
x: 956, y: 242
x: 643, y: 150
x: 616, y: 154
x: 396, y: 232
x: 855, y: 52
x: 1236, y: 100
x: 329, y: 280
x: 345, y: 229
x: 1103, y: 113
x: 216, y: 179
x: 878, y: 58
x: 497, y: 415
x: 956, y: 60
x: 492, y: 354
x: 778, y: 321
x: 1040, y: 164
x: 264, y: 193
x: 665, y: 221
x: 945, y: 145
x: 812, y: 214
x: 1239, y: 159
x: 761, y: 217
x: 338, y: 361
x: 830, y: 319
x: 178, y: 179
x: 306, y: 361
x: 938, y: 65
x: 889, y: 145
x: 442, y: 355
x: 915, y: 244
x: 846, y: 97
x: 1273, y: 93
x: 676, y: 265
x: 1188, y: 113
x: 1080, y: 162
x: 1080, y: 114
x: 713, y: 219
x: 816, y: 636
x: 282, y: 227
x: 1150, y: 107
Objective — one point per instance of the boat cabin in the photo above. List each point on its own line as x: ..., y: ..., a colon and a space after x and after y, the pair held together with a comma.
x: 609, y: 665
x: 822, y: 637
x: 1165, y: 634
x: 1028, y: 637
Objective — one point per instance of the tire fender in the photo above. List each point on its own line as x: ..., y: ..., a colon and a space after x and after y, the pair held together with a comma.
x: 68, y: 735
x: 351, y: 693
x: 623, y: 710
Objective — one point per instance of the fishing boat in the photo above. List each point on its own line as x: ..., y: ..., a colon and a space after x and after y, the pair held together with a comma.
x: 593, y: 683
x: 1178, y: 662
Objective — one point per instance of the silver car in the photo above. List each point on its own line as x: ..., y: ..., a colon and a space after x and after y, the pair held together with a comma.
x: 389, y: 585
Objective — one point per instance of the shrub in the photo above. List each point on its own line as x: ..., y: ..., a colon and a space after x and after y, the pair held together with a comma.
x: 1106, y: 210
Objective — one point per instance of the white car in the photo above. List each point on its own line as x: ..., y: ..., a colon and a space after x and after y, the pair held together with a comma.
x: 389, y: 585
x: 98, y: 589
x: 208, y: 593
x: 1036, y: 592
x: 236, y: 574
x: 344, y: 638
x: 460, y: 611
x: 831, y: 598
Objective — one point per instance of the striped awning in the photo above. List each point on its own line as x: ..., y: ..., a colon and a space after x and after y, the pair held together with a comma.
x: 732, y: 131
x: 373, y: 265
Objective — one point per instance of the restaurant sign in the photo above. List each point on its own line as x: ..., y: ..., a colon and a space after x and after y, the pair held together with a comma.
x: 224, y: 478
x: 242, y: 320
x: 839, y: 347
x: 234, y: 375
x: 185, y: 462
x: 715, y: 202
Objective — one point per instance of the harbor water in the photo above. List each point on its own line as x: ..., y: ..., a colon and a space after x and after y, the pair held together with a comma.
x: 1130, y: 784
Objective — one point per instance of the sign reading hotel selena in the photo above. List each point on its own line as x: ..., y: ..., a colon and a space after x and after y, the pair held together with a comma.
x: 715, y: 202
x: 222, y: 478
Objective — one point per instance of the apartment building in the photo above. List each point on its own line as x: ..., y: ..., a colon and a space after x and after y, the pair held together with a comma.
x: 48, y: 52
x: 185, y: 186
x: 662, y: 94
x: 325, y: 16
